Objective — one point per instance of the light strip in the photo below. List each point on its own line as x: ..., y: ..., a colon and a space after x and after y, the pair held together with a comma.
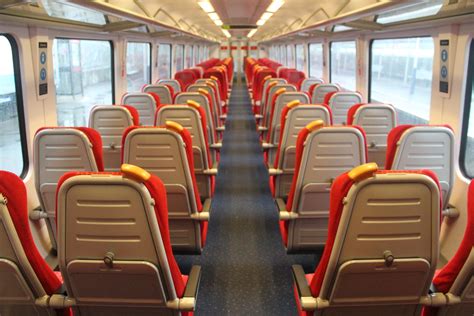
x: 266, y: 15
x: 218, y: 22
x: 206, y: 6
x: 226, y: 33
x: 251, y: 33
x: 214, y: 16
x: 275, y: 5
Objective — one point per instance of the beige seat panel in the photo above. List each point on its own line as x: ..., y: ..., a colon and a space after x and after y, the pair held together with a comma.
x: 188, y: 117
x: 297, y: 118
x: 340, y: 103
x: 173, y: 83
x: 321, y: 90
x: 111, y: 122
x: 162, y: 153
x: 145, y: 105
x: 280, y: 103
x: 428, y: 147
x: 328, y: 152
x: 308, y: 82
x: 162, y: 91
x: 268, y: 106
x: 56, y: 152
x: 377, y: 120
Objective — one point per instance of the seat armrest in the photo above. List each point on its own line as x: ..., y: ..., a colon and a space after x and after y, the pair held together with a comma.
x: 192, y: 286
x: 37, y: 213
x: 216, y: 146
x: 451, y: 212
x: 220, y: 128
x: 281, y: 205
x: 223, y: 116
x: 262, y: 129
x: 257, y: 103
x: 210, y: 172
x: 268, y: 145
x: 202, y: 216
x: 307, y: 301
x: 274, y: 172
x: 258, y: 116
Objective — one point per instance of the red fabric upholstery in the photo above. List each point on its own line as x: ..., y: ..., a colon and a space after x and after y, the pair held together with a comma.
x: 272, y: 111
x: 133, y: 112
x: 311, y: 89
x: 328, y: 96
x: 339, y: 190
x: 158, y: 193
x: 156, y: 97
x: 295, y: 77
x: 220, y: 75
x: 171, y: 91
x: 352, y: 111
x: 13, y: 189
x: 185, y: 77
x: 259, y: 81
x: 393, y: 138
x: 446, y: 276
x: 93, y: 136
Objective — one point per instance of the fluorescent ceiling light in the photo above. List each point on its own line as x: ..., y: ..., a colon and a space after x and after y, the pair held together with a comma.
x: 206, y: 6
x: 214, y: 16
x: 251, y: 33
x: 265, y: 16
x: 275, y: 5
x: 261, y: 22
x: 226, y: 33
x: 218, y: 22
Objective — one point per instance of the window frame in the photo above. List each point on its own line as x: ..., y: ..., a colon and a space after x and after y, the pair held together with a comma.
x: 330, y: 57
x: 467, y: 111
x: 170, y: 68
x: 309, y: 59
x: 19, y: 102
x: 150, y: 47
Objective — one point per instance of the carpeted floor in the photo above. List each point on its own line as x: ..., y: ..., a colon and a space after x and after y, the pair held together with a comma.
x: 245, y: 269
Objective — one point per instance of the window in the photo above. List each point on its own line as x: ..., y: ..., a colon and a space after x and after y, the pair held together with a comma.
x: 164, y: 61
x: 401, y: 71
x: 283, y: 56
x: 83, y: 75
x: 300, y: 57
x: 13, y: 155
x: 343, y: 64
x: 189, y: 56
x: 201, y: 54
x: 178, y: 57
x: 316, y: 60
x: 138, y: 65
x: 467, y: 142
x: 290, y: 49
x: 196, y: 54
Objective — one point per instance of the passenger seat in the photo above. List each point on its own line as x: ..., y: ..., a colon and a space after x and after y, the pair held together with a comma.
x: 114, y: 246
x: 145, y: 103
x: 319, y: 91
x: 322, y: 154
x: 382, y: 246
x: 340, y: 102
x: 174, y: 165
x: 111, y: 122
x: 377, y: 120
x: 58, y: 150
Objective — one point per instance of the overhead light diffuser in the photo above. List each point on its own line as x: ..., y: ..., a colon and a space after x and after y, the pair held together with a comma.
x: 275, y: 5
x: 251, y: 33
x: 261, y: 22
x: 206, y: 6
x: 218, y: 22
x: 214, y: 16
x: 226, y: 33
x: 265, y: 16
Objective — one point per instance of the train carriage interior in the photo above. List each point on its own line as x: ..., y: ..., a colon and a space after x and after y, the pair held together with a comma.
x: 237, y: 157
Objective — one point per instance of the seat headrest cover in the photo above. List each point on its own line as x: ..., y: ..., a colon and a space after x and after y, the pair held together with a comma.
x: 314, y: 125
x: 193, y: 103
x: 214, y: 78
x: 363, y: 172
x: 174, y: 126
x: 267, y: 77
x: 202, y: 91
x: 13, y: 189
x: 280, y: 91
x: 135, y: 172
x: 293, y: 103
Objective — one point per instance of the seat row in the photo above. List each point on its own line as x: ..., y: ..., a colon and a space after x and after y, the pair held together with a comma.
x: 380, y: 257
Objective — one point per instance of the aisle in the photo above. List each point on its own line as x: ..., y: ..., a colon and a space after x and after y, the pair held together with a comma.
x: 245, y: 269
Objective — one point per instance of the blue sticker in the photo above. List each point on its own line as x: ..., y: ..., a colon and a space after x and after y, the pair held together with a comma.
x: 43, y: 74
x: 43, y: 58
x: 444, y: 72
x: 444, y: 55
